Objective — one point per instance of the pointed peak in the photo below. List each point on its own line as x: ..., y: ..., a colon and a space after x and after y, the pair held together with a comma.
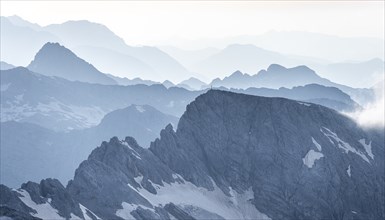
x: 54, y: 49
x: 131, y: 141
x: 52, y: 45
x: 169, y: 127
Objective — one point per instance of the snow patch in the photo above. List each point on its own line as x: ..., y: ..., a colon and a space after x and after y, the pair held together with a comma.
x: 238, y: 206
x: 138, y: 179
x: 311, y: 157
x: 44, y: 211
x: 73, y: 216
x: 89, y: 116
x: 85, y: 210
x: 140, y: 108
x: 304, y: 103
x: 82, y: 116
x: 125, y: 212
x: 342, y: 144
x: 368, y: 147
x: 349, y: 171
x: 133, y: 151
x: 316, y: 144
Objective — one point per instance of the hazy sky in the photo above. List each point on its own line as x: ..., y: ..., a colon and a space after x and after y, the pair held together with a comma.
x: 153, y: 21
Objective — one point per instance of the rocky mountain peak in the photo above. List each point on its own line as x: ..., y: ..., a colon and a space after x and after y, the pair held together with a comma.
x: 235, y: 156
x: 54, y: 59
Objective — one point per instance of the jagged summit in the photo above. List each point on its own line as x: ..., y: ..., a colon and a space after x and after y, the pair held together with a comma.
x: 235, y: 140
x: 236, y: 156
x: 275, y: 76
x: 54, y: 59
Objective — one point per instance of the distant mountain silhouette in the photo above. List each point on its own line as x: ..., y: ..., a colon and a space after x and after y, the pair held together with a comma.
x: 109, y: 60
x: 75, y: 116
x: 146, y: 62
x: 18, y: 21
x: 91, y: 41
x: 247, y: 58
x: 357, y: 74
x: 5, y: 66
x: 251, y: 59
x: 168, y: 84
x: 56, y: 60
x: 327, y: 96
x: 320, y: 46
x: 124, y: 81
x: 192, y: 84
x: 277, y: 76
x: 55, y: 150
x: 143, y: 121
x: 19, y: 44
x: 64, y: 105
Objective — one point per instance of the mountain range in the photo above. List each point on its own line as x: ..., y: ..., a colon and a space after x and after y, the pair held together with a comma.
x: 362, y: 58
x: 57, y: 154
x: 104, y: 48
x: 50, y: 102
x: 5, y: 66
x: 62, y: 123
x: 251, y: 59
x: 60, y: 105
x: 276, y: 76
x: 232, y: 156
x: 316, y: 46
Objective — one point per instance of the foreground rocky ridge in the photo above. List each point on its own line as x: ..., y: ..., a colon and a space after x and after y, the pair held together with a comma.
x: 233, y: 156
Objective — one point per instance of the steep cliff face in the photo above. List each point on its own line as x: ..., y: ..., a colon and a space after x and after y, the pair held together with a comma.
x: 107, y: 178
x: 233, y: 156
x: 301, y: 160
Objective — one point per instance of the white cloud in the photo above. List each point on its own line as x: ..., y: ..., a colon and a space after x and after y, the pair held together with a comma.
x: 373, y: 114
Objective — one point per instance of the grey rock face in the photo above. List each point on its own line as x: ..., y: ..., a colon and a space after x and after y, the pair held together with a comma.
x: 330, y: 97
x: 143, y: 214
x: 22, y: 141
x: 199, y: 213
x: 113, y: 165
x: 61, y: 199
x: 11, y: 205
x: 243, y: 141
x: 54, y: 190
x: 290, y: 160
x: 177, y: 212
x: 143, y: 122
x: 7, y: 213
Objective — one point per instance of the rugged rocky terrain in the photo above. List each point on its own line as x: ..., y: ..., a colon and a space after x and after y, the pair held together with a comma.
x: 232, y: 156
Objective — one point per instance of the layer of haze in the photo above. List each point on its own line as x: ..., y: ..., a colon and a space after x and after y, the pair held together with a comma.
x: 196, y: 25
x: 176, y: 23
